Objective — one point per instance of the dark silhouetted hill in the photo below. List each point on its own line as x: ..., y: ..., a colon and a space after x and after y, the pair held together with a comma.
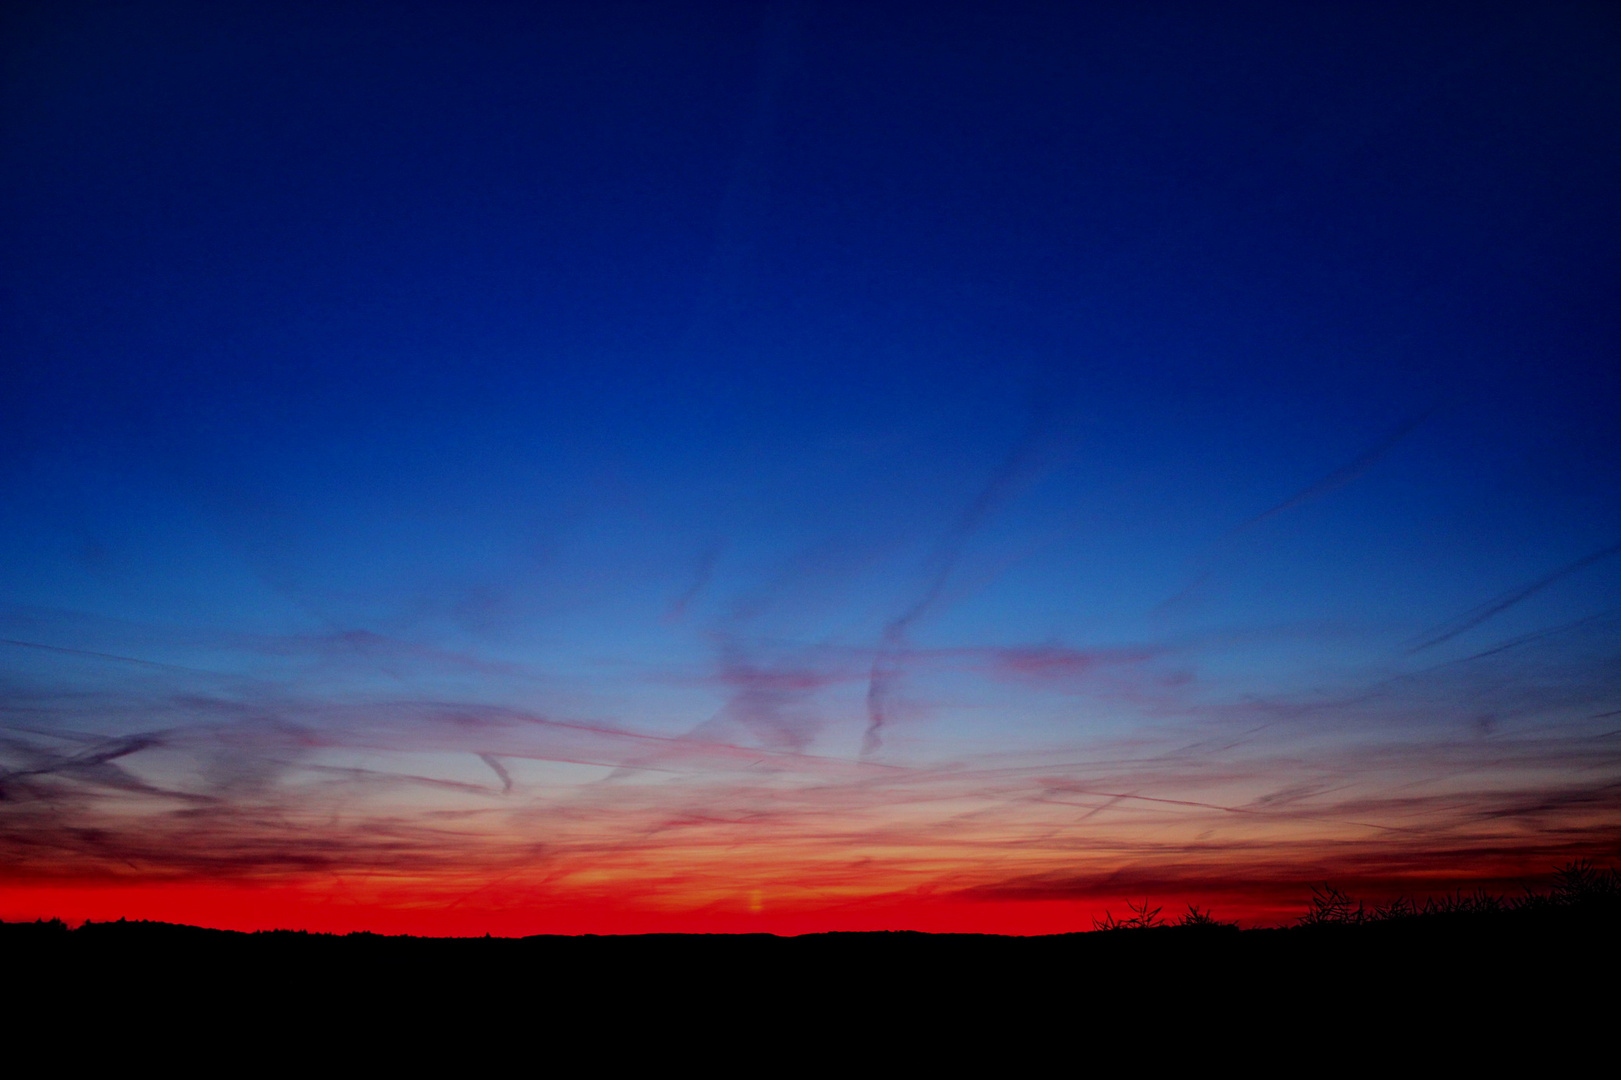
x: 1477, y: 966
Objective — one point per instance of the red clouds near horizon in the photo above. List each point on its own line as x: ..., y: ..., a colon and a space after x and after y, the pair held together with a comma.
x: 436, y: 817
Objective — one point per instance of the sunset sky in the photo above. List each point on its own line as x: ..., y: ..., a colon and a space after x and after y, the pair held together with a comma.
x: 563, y: 467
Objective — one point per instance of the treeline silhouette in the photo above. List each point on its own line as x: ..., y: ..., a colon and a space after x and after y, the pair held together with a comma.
x: 1469, y: 962
x: 1579, y: 888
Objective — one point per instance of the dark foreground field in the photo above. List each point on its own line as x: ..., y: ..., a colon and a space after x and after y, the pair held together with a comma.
x: 1473, y: 975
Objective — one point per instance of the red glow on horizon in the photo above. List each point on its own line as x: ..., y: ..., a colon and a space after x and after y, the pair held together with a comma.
x: 427, y: 909
x: 249, y: 908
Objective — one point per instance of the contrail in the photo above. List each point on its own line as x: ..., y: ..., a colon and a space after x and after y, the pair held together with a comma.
x: 1341, y: 476
x: 100, y: 655
x: 1014, y: 470
x: 499, y: 769
x: 1471, y: 619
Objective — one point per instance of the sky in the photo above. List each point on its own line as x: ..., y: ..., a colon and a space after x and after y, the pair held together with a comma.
x: 798, y: 466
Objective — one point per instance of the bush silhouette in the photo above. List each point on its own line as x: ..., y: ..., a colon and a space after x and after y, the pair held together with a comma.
x: 1142, y: 917
x: 1583, y: 884
x: 1579, y: 884
x: 1399, y: 908
x: 1331, y: 907
x: 1196, y: 917
x: 1479, y: 902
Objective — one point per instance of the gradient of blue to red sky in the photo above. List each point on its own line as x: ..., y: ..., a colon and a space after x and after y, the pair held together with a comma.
x: 576, y: 467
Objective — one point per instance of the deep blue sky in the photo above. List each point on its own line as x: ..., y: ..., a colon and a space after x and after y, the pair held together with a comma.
x: 880, y: 382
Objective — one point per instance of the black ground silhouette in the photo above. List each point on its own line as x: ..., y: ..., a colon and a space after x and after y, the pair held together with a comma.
x: 1493, y: 967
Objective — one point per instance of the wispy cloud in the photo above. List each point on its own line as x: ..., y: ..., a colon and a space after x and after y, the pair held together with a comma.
x: 1482, y: 765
